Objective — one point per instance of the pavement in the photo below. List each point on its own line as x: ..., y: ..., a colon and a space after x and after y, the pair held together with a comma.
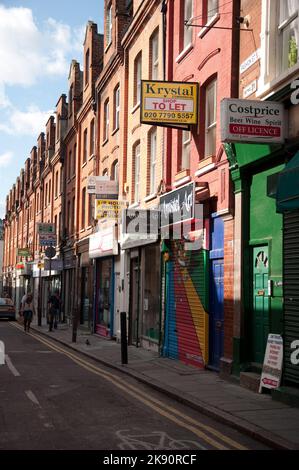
x: 257, y: 415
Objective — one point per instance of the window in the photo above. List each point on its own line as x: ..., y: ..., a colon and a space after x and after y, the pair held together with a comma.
x: 106, y: 120
x: 56, y: 184
x: 83, y: 203
x: 55, y: 223
x: 70, y: 165
x: 87, y: 65
x: 71, y: 99
x: 188, y: 13
x: 105, y: 172
x: 69, y: 215
x: 137, y: 79
x: 109, y: 25
x: 46, y: 195
x: 212, y: 9
x: 116, y: 107
x: 154, y: 56
x: 288, y: 33
x: 58, y: 128
x: 153, y: 157
x: 74, y: 159
x: 73, y: 216
x: 210, y: 119
x: 136, y: 157
x: 115, y: 171
x: 85, y: 146
x: 92, y: 138
x: 185, y: 157
x: 37, y: 203
x: 49, y: 200
x: 91, y: 200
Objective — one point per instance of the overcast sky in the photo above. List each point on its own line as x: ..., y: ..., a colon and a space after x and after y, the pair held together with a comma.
x: 38, y: 40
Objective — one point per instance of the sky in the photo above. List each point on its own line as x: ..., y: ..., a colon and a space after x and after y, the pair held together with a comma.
x: 38, y: 40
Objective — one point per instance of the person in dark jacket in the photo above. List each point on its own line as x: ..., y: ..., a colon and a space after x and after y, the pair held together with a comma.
x: 54, y: 306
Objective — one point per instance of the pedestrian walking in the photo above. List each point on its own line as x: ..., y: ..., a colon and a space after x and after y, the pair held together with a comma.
x: 28, y: 311
x: 54, y: 306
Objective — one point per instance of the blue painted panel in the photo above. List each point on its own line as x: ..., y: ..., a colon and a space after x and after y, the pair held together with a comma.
x: 170, y: 348
x: 217, y: 238
x: 216, y: 317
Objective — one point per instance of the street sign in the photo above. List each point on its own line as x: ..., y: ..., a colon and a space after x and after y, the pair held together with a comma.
x: 24, y: 252
x: 105, y: 189
x: 45, y: 228
x: 50, y: 252
x: 108, y: 208
x: 47, y: 239
x: 92, y: 182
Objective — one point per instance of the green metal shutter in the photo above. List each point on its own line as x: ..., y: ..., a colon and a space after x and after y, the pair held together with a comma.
x: 291, y: 292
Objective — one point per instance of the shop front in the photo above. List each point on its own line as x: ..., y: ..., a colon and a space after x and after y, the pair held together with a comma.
x: 143, y: 260
x: 103, y: 249
x: 186, y: 322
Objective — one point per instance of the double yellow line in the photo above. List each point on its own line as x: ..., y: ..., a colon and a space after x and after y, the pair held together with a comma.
x: 204, y: 432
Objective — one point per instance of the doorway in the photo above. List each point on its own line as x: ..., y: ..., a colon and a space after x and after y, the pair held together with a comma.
x: 134, y: 302
x: 260, y: 317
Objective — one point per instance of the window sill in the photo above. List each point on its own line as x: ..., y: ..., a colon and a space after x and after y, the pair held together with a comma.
x: 183, y: 54
x: 82, y: 230
x: 209, y: 25
x: 83, y: 164
x: 134, y: 109
x: 89, y: 227
x: 108, y: 47
x: 265, y: 89
x: 134, y: 205
x: 105, y: 142
x: 115, y: 130
x: 92, y: 156
x: 150, y: 197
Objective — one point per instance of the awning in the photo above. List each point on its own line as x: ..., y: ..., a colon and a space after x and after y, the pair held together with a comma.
x: 287, y: 196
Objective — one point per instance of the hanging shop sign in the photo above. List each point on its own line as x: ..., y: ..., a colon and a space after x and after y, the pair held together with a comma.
x: 104, y: 242
x: 169, y: 103
x: 53, y: 264
x: 45, y: 228
x: 109, y: 208
x: 272, y: 367
x: 178, y: 205
x: 141, y: 222
x: 23, y: 252
x: 252, y: 121
x: 103, y: 188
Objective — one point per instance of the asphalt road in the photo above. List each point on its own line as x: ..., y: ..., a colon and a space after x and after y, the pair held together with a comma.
x: 52, y: 399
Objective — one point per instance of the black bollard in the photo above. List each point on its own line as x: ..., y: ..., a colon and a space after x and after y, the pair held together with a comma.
x: 123, y: 338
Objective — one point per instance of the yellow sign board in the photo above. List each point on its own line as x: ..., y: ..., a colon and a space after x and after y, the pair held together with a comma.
x: 169, y: 103
x: 109, y: 208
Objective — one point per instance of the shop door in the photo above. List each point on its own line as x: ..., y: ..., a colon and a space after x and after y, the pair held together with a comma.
x: 134, y: 301
x: 117, y: 294
x: 260, y: 302
x: 216, y: 313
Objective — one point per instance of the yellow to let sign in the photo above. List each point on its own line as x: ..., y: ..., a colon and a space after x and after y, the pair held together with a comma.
x: 169, y: 103
x: 109, y: 208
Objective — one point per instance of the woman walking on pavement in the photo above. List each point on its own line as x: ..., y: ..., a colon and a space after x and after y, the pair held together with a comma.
x: 28, y: 312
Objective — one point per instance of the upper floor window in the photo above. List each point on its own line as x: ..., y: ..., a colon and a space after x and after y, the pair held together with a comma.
x: 136, y: 167
x: 56, y: 184
x: 83, y: 204
x: 74, y: 159
x: 106, y: 120
x: 185, y: 146
x: 92, y: 138
x: 109, y: 25
x: 85, y: 146
x: 71, y: 93
x: 188, y: 14
x: 49, y: 199
x: 210, y: 118
x: 288, y: 33
x: 70, y: 165
x: 137, y: 79
x: 87, y: 66
x: 105, y: 172
x: 115, y: 171
x: 154, y: 56
x: 212, y: 9
x: 116, y: 107
x: 153, y: 158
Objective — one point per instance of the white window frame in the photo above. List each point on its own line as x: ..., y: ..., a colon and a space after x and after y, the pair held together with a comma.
x: 116, y: 107
x: 109, y: 25
x: 153, y: 159
x: 212, y: 9
x: 138, y: 72
x: 188, y: 30
x: 209, y: 127
x: 115, y: 171
x: 106, y: 120
x: 185, y: 155
x: 92, y: 138
x: 154, y: 47
x: 137, y: 172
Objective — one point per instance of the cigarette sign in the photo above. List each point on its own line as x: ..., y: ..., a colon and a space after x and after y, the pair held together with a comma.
x: 109, y: 208
x: 252, y: 121
x: 169, y: 103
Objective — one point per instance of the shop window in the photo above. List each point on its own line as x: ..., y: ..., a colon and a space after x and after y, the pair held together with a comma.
x: 151, y: 300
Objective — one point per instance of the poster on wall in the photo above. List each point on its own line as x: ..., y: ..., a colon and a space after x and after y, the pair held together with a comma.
x: 172, y: 104
x: 272, y: 367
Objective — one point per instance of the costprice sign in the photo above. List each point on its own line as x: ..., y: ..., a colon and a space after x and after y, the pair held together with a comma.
x: 169, y: 103
x: 252, y: 121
